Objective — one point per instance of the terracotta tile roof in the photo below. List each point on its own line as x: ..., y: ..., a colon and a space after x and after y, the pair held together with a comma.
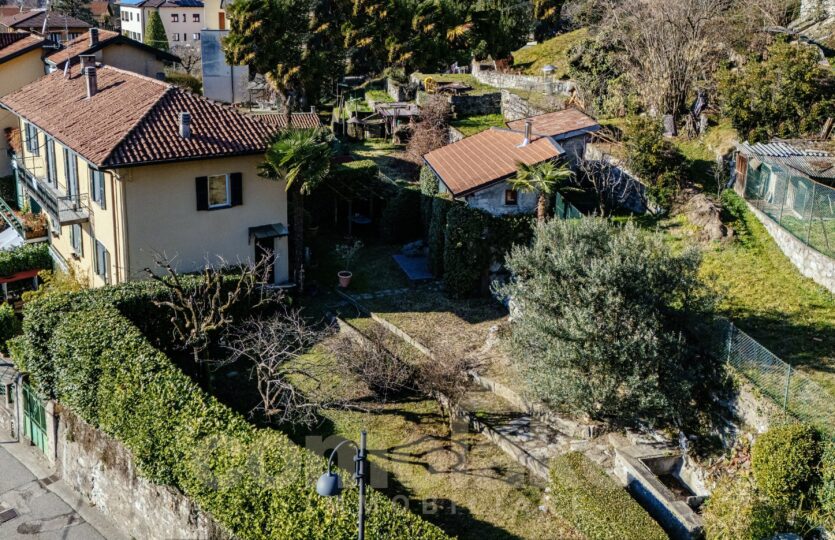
x: 99, y: 8
x: 558, y: 123
x: 484, y: 158
x: 80, y: 45
x: 133, y: 120
x: 35, y: 19
x: 299, y: 120
x: 16, y: 43
x: 161, y: 3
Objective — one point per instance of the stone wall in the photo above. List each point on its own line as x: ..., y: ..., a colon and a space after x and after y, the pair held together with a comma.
x: 521, y: 82
x: 810, y: 262
x: 454, y: 135
x: 399, y: 92
x: 469, y: 104
x: 817, y: 9
x: 103, y: 472
x: 514, y: 107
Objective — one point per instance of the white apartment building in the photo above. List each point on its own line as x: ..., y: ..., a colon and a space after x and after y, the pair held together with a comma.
x: 182, y: 19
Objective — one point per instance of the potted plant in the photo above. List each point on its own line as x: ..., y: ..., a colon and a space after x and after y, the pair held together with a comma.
x: 347, y: 252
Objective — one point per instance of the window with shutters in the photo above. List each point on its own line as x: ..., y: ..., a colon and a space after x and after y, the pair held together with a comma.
x: 51, y: 169
x: 219, y: 191
x: 102, y: 262
x: 97, y: 192
x: 71, y: 173
x: 76, y: 241
x: 32, y: 142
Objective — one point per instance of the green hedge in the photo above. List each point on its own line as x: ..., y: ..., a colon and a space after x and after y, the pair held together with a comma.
x: 9, y: 325
x: 785, y: 462
x: 25, y: 257
x: 363, y: 170
x: 401, y: 217
x: 81, y: 348
x: 429, y: 189
x: 585, y: 496
x: 473, y: 240
x: 437, y: 234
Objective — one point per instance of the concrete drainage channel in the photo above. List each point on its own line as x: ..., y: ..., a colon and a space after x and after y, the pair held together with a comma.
x: 657, y: 475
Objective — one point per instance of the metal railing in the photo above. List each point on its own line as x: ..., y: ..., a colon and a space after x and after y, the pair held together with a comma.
x: 794, y: 393
x: 63, y: 209
x: 801, y: 206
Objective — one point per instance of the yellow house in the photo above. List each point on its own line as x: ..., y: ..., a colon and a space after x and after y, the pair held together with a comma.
x: 20, y: 64
x: 113, y: 49
x: 214, y: 14
x: 129, y: 169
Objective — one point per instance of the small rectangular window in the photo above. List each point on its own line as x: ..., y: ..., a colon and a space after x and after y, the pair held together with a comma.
x: 195, y: 37
x: 511, y: 197
x: 176, y: 36
x: 102, y: 262
x: 195, y: 17
x: 32, y: 139
x: 219, y: 191
x: 175, y: 17
x: 76, y: 241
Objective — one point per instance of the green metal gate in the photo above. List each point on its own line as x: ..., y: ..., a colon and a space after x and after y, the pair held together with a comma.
x: 34, y: 418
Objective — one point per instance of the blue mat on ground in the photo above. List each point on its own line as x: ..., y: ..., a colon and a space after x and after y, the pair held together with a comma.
x: 416, y: 268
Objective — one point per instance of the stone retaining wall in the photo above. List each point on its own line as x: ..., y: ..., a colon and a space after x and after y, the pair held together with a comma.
x: 102, y: 470
x: 811, y: 263
x: 469, y: 104
x: 521, y: 82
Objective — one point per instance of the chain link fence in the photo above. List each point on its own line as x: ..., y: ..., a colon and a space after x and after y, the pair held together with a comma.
x: 801, y: 206
x: 794, y: 392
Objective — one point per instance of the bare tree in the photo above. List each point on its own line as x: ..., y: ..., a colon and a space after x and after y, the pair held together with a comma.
x: 446, y: 378
x: 611, y: 186
x: 369, y: 358
x: 670, y: 47
x: 202, y: 305
x: 275, y: 347
x: 190, y: 57
x: 432, y: 131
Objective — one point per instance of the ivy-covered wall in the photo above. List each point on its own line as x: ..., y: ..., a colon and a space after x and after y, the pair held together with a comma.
x: 84, y: 350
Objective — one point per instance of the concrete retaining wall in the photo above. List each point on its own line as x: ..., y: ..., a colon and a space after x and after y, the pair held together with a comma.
x: 810, y: 262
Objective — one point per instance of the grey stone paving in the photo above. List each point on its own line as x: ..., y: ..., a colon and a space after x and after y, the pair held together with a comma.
x: 42, y: 514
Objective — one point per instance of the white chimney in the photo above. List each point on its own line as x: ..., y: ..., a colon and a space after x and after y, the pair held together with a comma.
x: 185, y: 125
x: 94, y: 37
x: 92, y: 85
x: 527, y: 140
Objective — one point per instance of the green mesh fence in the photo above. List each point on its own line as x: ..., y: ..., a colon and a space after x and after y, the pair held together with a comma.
x: 801, y: 206
x: 794, y: 393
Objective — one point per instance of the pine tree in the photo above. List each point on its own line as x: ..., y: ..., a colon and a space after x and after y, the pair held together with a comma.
x: 155, y: 32
x: 80, y: 9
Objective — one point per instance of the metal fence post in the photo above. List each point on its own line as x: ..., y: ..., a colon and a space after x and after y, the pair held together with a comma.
x: 730, y: 340
x: 786, y: 396
x: 811, y: 213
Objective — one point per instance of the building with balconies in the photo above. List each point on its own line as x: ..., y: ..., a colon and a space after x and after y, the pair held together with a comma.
x: 128, y: 169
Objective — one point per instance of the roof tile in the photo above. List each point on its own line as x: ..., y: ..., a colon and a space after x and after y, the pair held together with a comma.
x: 557, y: 123
x: 14, y: 43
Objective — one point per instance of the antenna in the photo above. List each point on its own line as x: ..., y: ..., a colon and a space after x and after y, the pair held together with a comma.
x: 45, y: 17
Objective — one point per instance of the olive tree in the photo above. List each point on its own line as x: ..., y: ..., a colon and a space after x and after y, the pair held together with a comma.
x: 607, y: 322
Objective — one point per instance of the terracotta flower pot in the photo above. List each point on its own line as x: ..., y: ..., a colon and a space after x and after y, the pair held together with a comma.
x: 345, y: 278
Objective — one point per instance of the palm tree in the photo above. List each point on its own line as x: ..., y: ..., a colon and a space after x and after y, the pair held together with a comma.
x: 544, y: 178
x: 302, y: 159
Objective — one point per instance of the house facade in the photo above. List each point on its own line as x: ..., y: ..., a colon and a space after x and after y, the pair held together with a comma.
x: 182, y: 20
x: 129, y: 169
x: 20, y: 64
x: 113, y: 49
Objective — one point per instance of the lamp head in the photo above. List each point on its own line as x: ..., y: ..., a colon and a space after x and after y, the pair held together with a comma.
x: 329, y: 485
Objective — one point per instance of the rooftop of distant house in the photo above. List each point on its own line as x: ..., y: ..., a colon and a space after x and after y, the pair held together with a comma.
x: 160, y: 3
x: 559, y: 124
x: 14, y: 44
x: 35, y: 19
x: 488, y: 157
x: 134, y: 120
x: 298, y: 120
x: 807, y: 157
x: 86, y: 43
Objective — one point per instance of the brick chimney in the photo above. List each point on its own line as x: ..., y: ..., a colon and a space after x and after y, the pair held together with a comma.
x: 94, y: 37
x: 185, y: 125
x: 92, y: 84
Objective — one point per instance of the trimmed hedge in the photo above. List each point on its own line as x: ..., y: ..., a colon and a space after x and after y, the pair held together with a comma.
x: 82, y: 349
x: 401, y: 217
x: 594, y: 504
x: 785, y: 462
x: 437, y: 234
x: 363, y: 170
x: 25, y: 257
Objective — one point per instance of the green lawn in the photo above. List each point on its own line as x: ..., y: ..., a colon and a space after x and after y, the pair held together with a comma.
x: 389, y: 157
x: 470, y: 125
x: 553, y: 51
x: 460, y: 481
x: 378, y: 96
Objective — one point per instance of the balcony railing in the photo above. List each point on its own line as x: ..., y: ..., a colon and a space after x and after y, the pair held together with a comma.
x: 63, y: 209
